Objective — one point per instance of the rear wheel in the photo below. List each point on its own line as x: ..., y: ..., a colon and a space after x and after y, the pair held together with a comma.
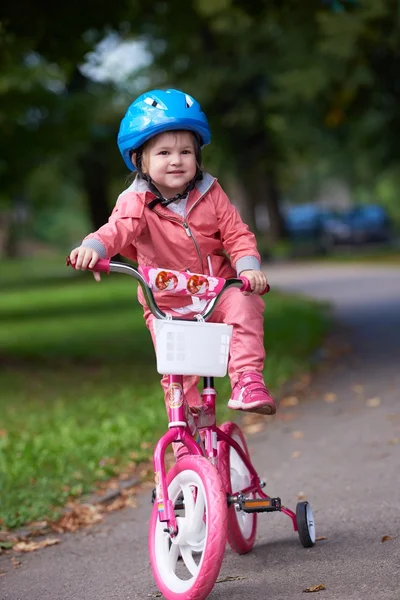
x: 186, y: 566
x: 242, y: 526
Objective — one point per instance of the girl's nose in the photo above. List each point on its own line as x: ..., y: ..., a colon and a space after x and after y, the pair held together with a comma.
x: 175, y: 158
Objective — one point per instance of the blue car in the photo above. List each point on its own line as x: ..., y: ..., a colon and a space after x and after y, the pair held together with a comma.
x: 368, y: 223
x: 362, y: 224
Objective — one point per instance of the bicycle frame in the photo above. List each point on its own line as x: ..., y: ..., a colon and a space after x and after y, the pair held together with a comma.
x: 184, y: 425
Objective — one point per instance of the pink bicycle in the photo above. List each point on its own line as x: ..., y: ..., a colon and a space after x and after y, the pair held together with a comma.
x: 213, y: 493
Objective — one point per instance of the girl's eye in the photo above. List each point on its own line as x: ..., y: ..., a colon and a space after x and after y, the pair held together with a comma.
x: 163, y: 152
x: 186, y: 152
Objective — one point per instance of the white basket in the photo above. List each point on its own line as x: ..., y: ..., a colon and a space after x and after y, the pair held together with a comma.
x: 192, y: 347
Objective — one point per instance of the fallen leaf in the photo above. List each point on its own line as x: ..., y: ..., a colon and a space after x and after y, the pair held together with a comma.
x: 3, y: 433
x: 286, y: 417
x: 255, y: 428
x: 315, y: 588
x: 330, y: 398
x: 394, y: 441
x: 373, y: 402
x: 32, y: 546
x: 358, y: 389
x: 117, y: 504
x: 386, y: 538
x: 393, y: 418
x: 16, y: 563
x: 80, y: 515
x: 289, y: 401
x: 249, y: 418
x: 320, y: 538
x: 297, y: 435
x: 296, y: 454
x: 230, y: 578
x: 131, y: 502
x: 156, y: 595
x: 301, y: 496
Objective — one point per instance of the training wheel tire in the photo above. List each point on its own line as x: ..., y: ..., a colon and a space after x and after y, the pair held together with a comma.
x: 305, y: 524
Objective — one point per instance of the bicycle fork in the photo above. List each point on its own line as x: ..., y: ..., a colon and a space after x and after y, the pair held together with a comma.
x: 182, y: 427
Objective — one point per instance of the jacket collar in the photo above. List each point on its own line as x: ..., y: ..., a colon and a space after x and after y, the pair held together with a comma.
x: 140, y: 186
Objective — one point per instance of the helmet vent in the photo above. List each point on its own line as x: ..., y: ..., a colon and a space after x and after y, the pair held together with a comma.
x: 155, y: 103
x: 189, y: 101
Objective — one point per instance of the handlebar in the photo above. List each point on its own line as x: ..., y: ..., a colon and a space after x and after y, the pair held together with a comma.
x: 150, y: 278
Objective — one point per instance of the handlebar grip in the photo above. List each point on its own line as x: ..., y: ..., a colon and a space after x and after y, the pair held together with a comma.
x: 102, y: 265
x: 246, y: 287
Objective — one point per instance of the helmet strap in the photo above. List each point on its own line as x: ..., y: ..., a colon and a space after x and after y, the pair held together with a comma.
x: 165, y: 201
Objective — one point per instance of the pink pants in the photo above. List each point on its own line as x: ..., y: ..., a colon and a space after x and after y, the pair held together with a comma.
x: 247, y: 351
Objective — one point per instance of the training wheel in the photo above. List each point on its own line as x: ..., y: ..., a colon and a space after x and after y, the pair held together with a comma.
x: 305, y: 524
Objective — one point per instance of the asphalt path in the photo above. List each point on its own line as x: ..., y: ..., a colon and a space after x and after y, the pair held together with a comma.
x: 338, y: 447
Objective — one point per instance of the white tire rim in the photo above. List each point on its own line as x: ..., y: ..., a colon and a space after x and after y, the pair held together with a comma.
x: 310, y: 523
x: 190, y: 542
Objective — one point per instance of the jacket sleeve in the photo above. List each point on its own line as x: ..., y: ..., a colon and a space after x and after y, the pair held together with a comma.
x: 237, y: 239
x: 123, y: 227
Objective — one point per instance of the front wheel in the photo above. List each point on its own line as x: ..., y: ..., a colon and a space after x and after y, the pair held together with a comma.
x: 186, y: 566
x: 305, y: 524
x: 242, y: 527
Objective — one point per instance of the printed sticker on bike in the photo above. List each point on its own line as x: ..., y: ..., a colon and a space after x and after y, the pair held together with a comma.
x: 157, y: 481
x: 184, y: 284
x: 175, y: 395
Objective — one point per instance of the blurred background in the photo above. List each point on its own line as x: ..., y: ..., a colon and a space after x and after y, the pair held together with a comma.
x: 303, y: 104
x: 302, y: 98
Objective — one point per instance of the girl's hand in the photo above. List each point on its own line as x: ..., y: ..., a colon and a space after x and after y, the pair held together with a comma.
x: 83, y: 257
x: 258, y: 281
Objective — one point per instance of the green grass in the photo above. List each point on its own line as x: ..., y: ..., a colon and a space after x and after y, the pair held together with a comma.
x: 79, y: 393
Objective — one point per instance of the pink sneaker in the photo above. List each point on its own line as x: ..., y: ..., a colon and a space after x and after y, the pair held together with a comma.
x: 250, y: 394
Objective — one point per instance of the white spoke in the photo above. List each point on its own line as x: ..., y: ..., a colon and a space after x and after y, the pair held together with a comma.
x: 189, y: 561
x: 197, y: 522
x: 173, y: 556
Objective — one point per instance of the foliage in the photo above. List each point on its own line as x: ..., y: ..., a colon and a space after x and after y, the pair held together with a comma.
x: 290, y: 88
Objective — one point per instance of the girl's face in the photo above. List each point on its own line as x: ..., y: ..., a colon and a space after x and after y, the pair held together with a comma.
x: 170, y: 160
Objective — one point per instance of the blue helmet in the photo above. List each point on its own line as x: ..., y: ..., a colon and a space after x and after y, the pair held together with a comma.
x: 157, y: 111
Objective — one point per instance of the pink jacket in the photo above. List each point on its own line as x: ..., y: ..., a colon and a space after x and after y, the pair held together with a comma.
x: 211, y: 235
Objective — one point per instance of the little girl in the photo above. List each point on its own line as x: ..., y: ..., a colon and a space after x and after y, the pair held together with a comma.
x: 177, y: 217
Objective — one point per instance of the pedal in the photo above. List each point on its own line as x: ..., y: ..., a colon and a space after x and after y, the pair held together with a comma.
x: 256, y: 505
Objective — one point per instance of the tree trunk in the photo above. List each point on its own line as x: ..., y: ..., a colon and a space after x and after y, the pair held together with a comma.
x: 276, y: 223
x: 95, y: 182
x: 95, y: 179
x: 264, y: 191
x: 239, y: 195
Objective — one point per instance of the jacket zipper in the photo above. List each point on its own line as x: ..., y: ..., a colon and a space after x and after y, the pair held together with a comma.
x: 187, y: 229
x: 190, y: 234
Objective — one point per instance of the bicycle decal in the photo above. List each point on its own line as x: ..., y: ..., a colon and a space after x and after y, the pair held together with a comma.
x: 175, y: 395
x: 184, y: 284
